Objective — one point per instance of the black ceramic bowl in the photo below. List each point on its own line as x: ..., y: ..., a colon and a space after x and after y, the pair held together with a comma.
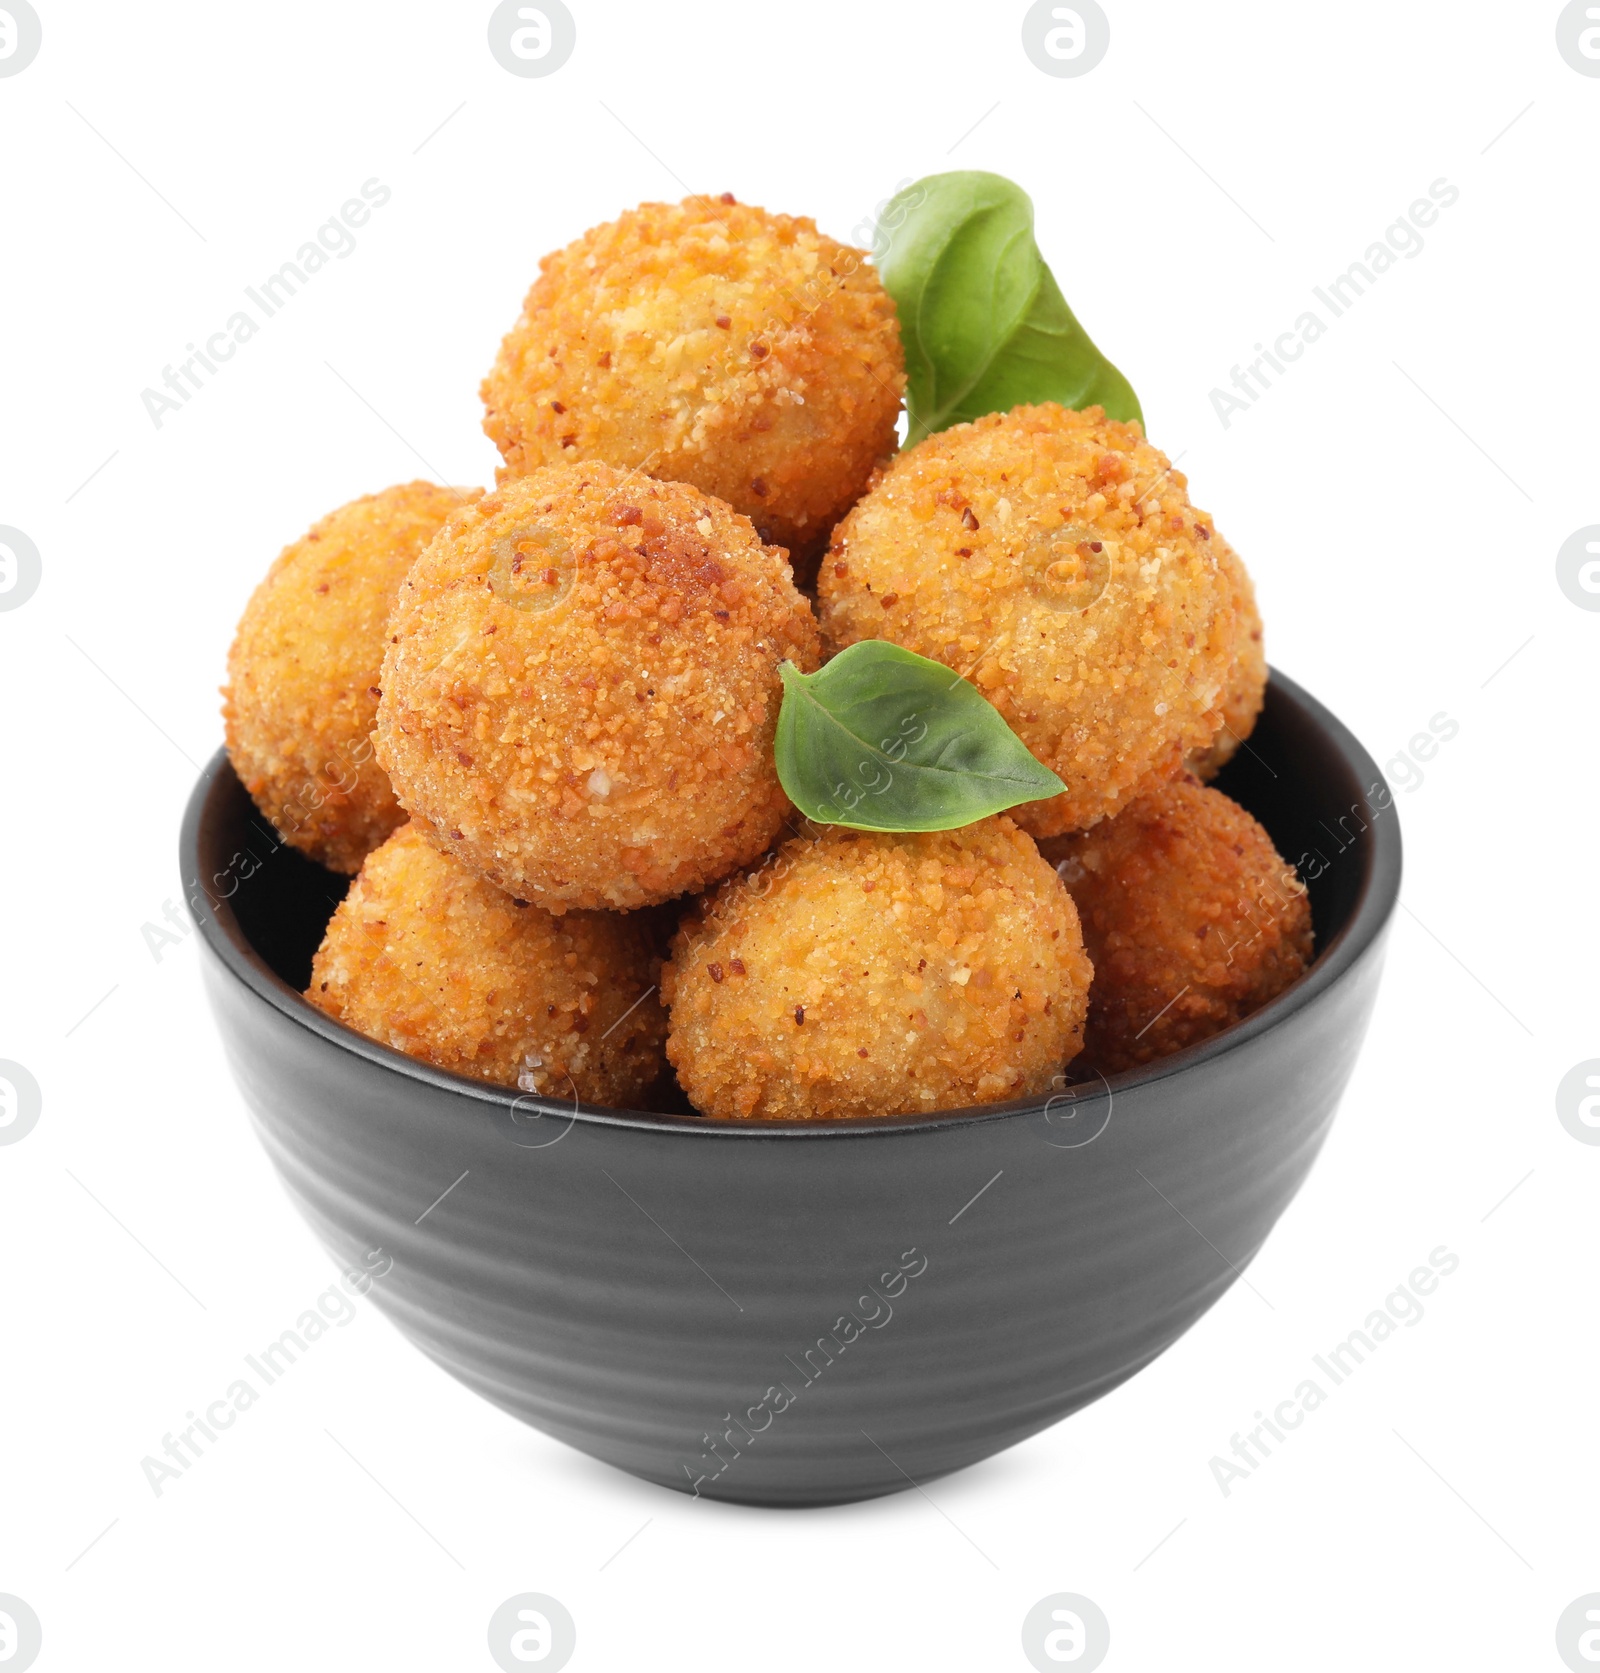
x: 795, y: 1315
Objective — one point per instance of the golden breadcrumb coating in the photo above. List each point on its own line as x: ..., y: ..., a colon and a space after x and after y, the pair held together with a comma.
x: 302, y: 691
x: 712, y: 343
x: 1245, y: 691
x: 1192, y: 920
x: 581, y: 688
x: 856, y: 973
x: 1052, y: 557
x: 424, y: 956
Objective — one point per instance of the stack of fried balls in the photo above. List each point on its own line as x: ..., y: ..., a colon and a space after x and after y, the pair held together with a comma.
x: 536, y: 724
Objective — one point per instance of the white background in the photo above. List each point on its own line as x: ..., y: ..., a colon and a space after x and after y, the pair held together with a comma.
x: 1191, y: 189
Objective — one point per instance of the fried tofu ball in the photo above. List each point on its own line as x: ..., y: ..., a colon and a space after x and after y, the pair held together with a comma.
x: 581, y: 688
x: 424, y: 956
x: 1191, y: 917
x: 1052, y: 557
x: 302, y: 691
x: 1245, y: 691
x: 858, y: 973
x: 710, y: 343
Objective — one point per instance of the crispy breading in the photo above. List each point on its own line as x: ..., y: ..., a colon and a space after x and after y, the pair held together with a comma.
x: 424, y: 956
x: 1053, y: 558
x: 1191, y: 917
x: 581, y: 688
x: 857, y: 974
x: 713, y: 343
x: 1245, y: 691
x: 302, y: 690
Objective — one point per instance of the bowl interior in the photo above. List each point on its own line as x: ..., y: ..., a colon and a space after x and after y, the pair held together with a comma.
x: 1301, y: 773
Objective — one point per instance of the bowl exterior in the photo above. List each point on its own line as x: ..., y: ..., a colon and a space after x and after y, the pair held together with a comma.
x: 777, y: 1321
x: 807, y: 1314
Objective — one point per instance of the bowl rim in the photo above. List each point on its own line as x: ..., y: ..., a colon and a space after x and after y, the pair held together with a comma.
x: 1378, y: 847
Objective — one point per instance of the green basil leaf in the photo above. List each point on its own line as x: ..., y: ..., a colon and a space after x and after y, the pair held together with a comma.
x: 984, y: 324
x: 882, y: 739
